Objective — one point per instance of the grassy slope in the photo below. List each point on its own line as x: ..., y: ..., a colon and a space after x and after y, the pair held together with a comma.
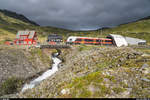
x: 9, y: 27
x: 139, y: 29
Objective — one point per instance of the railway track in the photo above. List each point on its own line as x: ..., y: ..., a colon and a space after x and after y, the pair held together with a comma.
x: 138, y: 47
x: 55, y: 46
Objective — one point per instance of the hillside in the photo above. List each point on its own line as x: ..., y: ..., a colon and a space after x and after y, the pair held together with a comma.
x: 142, y: 25
x: 17, y: 16
x: 98, y: 72
x: 19, y: 65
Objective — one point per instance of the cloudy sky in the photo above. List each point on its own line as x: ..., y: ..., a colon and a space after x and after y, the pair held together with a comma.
x: 79, y: 14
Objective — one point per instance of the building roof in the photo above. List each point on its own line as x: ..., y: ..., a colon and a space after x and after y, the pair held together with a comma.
x: 30, y: 33
x: 119, y: 40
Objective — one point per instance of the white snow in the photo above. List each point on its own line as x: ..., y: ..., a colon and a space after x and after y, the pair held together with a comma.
x: 44, y: 76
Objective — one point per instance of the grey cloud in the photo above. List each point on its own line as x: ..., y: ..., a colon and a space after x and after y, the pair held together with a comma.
x: 79, y: 14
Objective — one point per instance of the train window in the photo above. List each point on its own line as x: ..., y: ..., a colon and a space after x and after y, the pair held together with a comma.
x: 79, y: 40
x: 108, y: 41
x: 70, y: 40
x: 98, y: 40
x: 88, y: 40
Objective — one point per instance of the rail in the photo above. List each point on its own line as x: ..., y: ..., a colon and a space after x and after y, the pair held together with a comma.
x: 55, y: 46
x: 142, y: 46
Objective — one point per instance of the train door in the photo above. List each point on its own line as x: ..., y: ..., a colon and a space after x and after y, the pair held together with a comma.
x: 82, y: 41
x: 100, y: 42
x: 103, y: 42
x: 94, y: 41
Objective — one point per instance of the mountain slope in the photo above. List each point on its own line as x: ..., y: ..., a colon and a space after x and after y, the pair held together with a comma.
x: 142, y: 25
x: 18, y: 16
x: 9, y: 26
x: 139, y: 29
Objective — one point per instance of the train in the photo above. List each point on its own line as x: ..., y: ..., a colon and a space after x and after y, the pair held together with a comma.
x: 89, y: 40
x: 54, y: 39
x: 57, y: 39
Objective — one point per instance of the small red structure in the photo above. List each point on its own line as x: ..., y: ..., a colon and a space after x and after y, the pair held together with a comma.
x: 8, y: 43
x: 26, y: 38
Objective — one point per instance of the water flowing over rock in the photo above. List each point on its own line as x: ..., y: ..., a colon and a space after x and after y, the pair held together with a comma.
x: 45, y: 75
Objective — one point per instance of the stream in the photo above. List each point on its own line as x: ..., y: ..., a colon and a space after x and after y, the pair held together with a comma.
x: 46, y: 74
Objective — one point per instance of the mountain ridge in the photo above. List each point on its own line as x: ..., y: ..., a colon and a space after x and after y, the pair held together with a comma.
x: 18, y: 16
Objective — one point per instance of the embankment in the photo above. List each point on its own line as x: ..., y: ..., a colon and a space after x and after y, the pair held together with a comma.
x: 19, y: 65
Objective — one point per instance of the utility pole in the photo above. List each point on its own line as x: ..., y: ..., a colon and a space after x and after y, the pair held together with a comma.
x: 101, y: 32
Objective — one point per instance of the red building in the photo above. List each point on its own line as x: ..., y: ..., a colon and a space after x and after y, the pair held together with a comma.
x: 26, y: 38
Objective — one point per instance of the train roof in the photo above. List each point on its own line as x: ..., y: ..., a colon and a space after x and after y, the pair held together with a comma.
x: 87, y: 37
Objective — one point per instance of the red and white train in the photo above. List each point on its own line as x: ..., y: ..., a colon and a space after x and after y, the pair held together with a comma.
x: 89, y: 40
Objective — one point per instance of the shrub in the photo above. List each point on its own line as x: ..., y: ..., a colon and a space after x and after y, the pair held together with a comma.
x: 11, y: 85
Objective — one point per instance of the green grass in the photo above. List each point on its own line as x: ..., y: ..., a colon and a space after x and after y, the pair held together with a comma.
x: 118, y: 90
x: 79, y: 86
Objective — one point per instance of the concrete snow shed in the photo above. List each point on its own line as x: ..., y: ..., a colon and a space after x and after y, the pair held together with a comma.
x: 118, y: 40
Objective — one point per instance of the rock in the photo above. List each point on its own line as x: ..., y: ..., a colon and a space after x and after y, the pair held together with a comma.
x: 107, y: 73
x: 144, y: 66
x: 121, y: 59
x: 65, y: 91
x: 110, y: 66
x: 145, y: 55
x: 106, y: 80
x: 92, y: 88
x: 137, y: 53
x: 130, y: 56
x: 145, y: 69
x: 118, y: 65
x: 126, y: 93
x: 145, y: 79
x: 126, y: 82
x: 107, y: 85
